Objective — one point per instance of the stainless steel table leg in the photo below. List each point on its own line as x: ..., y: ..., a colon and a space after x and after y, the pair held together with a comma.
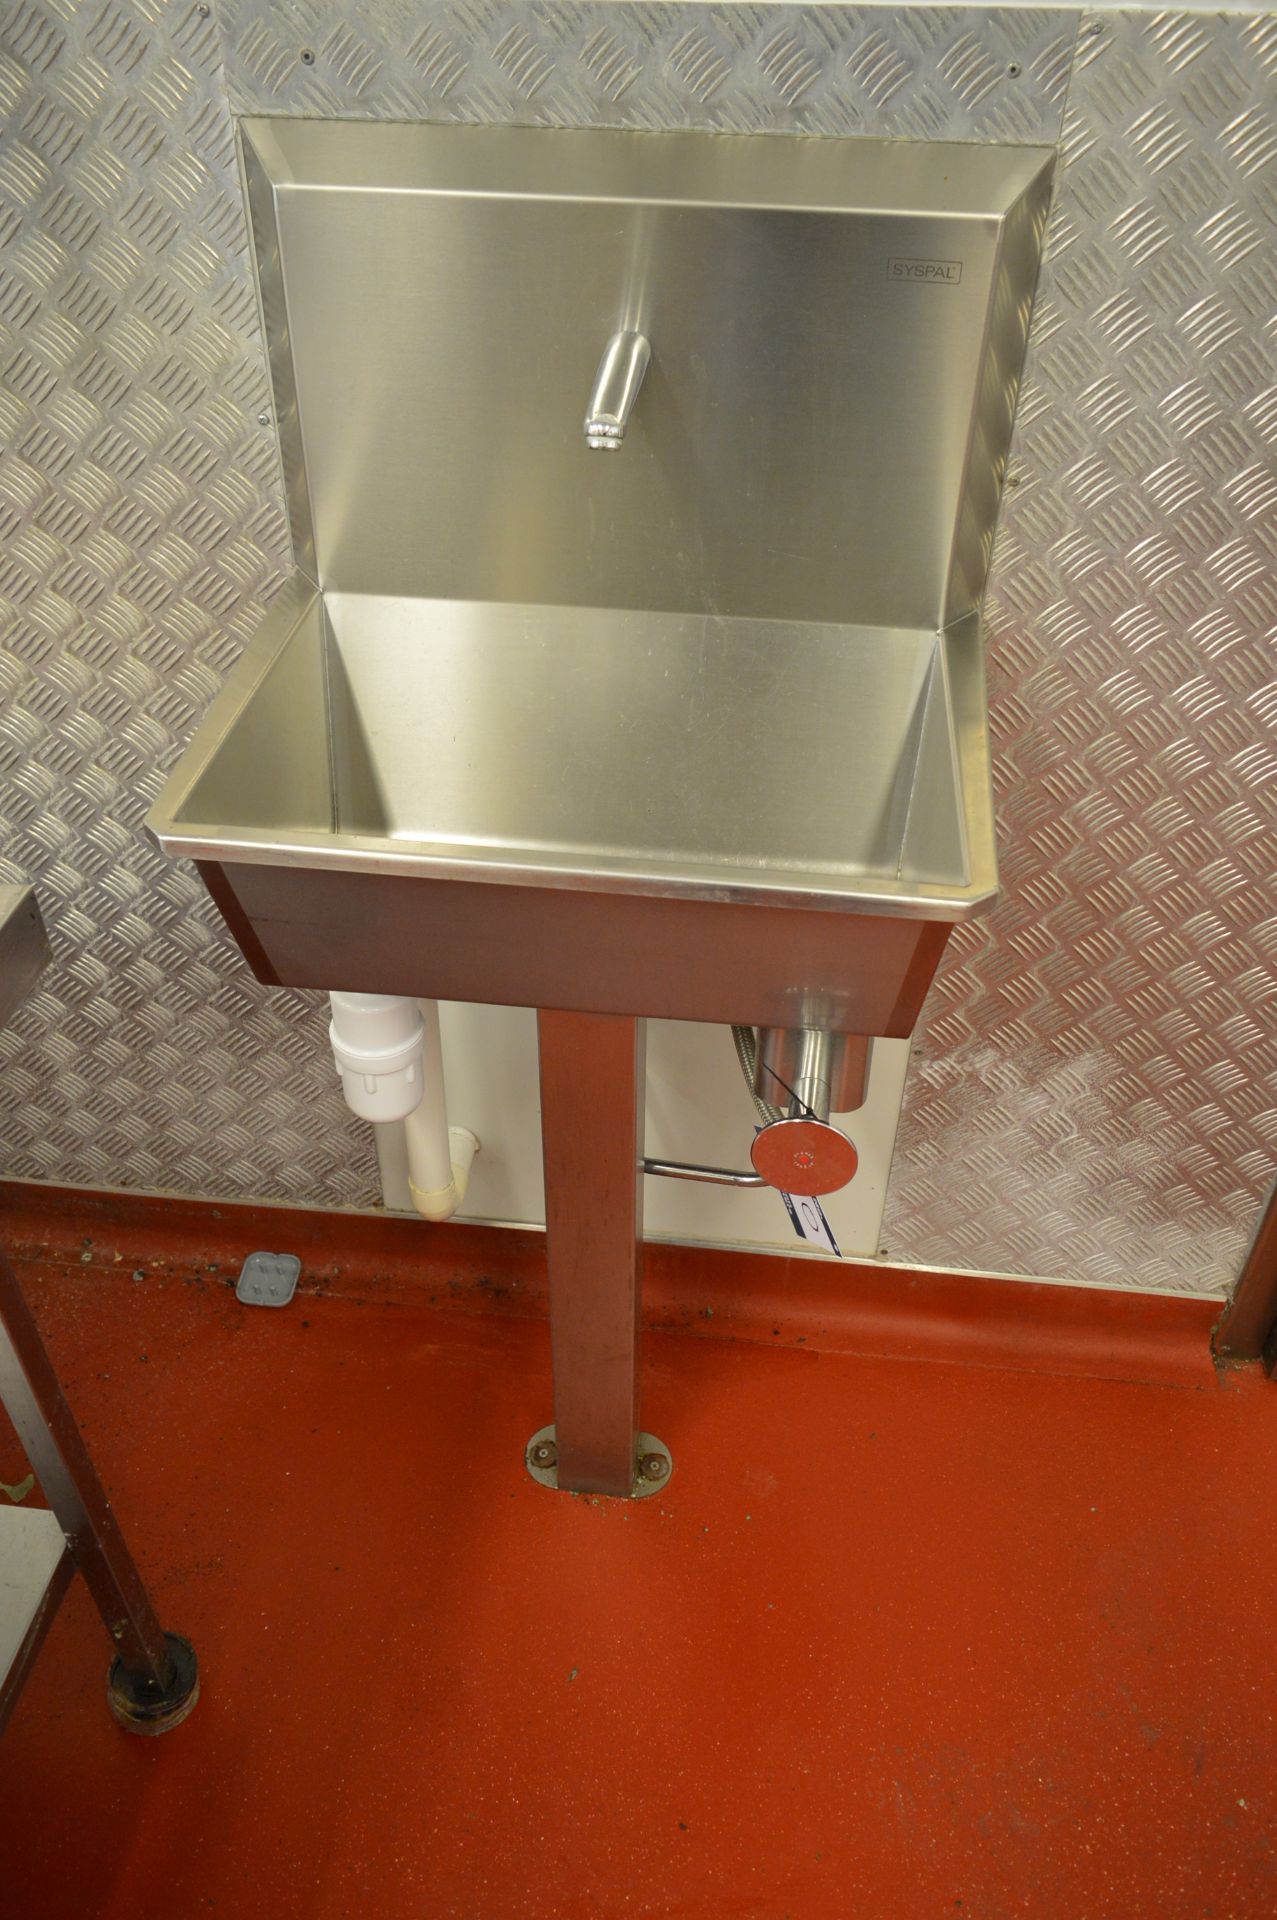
x: 154, y: 1680
x: 592, y: 1143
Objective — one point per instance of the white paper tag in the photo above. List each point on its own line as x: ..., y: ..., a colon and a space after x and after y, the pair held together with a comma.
x: 809, y: 1221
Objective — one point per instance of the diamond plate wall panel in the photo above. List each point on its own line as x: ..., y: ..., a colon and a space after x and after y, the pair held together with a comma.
x: 140, y: 535
x: 1091, y: 1094
x: 920, y: 72
x: 1095, y: 1092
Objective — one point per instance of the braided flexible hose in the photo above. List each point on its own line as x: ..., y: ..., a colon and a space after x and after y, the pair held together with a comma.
x: 746, y: 1052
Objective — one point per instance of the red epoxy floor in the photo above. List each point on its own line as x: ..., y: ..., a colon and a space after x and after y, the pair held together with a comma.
x: 900, y: 1639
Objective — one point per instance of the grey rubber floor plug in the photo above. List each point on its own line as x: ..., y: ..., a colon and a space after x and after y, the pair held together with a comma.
x: 268, y: 1279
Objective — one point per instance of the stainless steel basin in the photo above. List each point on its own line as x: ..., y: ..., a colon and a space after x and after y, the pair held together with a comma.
x: 650, y: 758
x: 753, y: 761
x: 696, y: 729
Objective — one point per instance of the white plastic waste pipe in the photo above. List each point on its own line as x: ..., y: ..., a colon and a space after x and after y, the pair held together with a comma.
x: 390, y: 1059
x: 439, y: 1156
x: 392, y: 1165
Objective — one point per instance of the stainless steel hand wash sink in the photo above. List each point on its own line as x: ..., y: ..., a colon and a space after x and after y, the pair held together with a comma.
x: 642, y: 489
x: 696, y: 730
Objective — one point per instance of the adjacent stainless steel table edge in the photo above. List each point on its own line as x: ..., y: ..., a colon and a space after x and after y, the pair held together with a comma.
x: 32, y: 1549
x: 35, y: 1565
x: 24, y: 947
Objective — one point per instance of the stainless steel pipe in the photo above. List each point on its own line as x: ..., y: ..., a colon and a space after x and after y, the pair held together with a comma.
x: 811, y: 1071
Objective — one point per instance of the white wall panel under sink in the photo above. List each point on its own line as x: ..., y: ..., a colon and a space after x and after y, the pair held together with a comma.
x: 697, y: 1109
x: 490, y: 1060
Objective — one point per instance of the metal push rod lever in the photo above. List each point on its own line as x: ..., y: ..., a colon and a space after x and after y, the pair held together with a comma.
x: 710, y: 1176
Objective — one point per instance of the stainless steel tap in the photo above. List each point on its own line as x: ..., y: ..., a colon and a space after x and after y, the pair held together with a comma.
x: 616, y: 385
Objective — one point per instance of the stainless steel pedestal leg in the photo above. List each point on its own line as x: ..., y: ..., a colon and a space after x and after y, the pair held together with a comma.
x: 592, y: 1143
x: 153, y: 1683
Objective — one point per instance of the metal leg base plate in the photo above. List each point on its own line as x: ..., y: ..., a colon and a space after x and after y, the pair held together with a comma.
x: 142, y: 1708
x: 653, y: 1462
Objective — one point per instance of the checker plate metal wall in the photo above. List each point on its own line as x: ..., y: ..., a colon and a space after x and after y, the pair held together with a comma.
x: 1092, y: 1090
x: 1095, y: 1092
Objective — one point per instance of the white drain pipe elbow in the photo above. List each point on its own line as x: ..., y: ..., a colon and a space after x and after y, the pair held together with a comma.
x: 390, y: 1060
x: 377, y: 1044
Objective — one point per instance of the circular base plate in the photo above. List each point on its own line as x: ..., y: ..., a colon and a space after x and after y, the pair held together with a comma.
x: 647, y: 1449
x: 803, y: 1156
x: 139, y: 1709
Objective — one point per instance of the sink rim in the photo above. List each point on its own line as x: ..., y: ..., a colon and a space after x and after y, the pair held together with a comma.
x: 959, y: 648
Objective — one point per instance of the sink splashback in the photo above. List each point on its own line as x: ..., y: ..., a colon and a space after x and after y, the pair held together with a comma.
x: 837, y: 329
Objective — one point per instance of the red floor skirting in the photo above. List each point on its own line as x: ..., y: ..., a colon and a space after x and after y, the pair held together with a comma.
x: 828, y: 1306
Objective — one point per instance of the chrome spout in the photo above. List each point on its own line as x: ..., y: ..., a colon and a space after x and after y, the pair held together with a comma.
x: 616, y: 385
